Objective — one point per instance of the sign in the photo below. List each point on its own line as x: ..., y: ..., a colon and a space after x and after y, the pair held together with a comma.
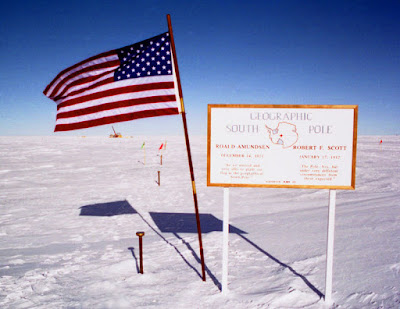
x: 282, y: 146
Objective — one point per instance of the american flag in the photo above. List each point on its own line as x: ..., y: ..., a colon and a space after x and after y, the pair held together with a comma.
x: 136, y: 81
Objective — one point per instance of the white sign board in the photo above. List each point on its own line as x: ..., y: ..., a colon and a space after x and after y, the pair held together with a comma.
x: 282, y: 146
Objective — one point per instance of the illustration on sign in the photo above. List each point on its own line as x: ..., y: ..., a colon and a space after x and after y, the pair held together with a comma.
x: 285, y: 134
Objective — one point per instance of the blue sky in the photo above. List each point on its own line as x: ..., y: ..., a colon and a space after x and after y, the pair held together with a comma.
x: 258, y: 52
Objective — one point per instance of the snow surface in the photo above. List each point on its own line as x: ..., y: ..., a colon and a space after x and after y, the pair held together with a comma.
x: 71, y: 207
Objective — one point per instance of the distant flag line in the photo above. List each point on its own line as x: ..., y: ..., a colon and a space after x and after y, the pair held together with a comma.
x: 162, y: 147
x: 137, y: 81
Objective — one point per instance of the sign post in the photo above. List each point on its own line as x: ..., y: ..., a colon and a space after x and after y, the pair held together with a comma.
x: 225, y: 242
x: 330, y: 244
x: 282, y: 146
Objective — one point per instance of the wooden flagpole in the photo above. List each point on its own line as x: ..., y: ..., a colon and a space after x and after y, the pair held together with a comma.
x: 187, y: 145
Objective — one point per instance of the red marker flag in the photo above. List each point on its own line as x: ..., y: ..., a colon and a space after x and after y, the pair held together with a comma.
x: 380, y: 142
x: 162, y: 145
x: 136, y: 81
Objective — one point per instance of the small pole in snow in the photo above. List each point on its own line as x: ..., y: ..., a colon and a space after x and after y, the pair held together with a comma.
x: 144, y: 152
x: 161, y: 160
x: 159, y: 183
x: 141, y: 234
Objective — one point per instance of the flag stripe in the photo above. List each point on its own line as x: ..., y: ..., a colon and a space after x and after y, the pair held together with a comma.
x: 63, y: 75
x: 90, y: 72
x: 84, y: 84
x: 116, y: 118
x: 115, y: 105
x: 109, y: 83
x: 116, y: 111
x: 110, y: 89
x: 139, y: 97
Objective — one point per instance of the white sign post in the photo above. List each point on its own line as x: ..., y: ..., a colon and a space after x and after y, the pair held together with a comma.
x: 225, y: 242
x: 329, y: 247
x: 282, y: 146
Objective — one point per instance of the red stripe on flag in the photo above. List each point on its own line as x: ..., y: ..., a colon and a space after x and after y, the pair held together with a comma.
x: 100, y: 66
x: 117, y: 118
x: 93, y: 86
x: 102, y: 55
x: 114, y: 105
x: 116, y: 91
x: 81, y: 82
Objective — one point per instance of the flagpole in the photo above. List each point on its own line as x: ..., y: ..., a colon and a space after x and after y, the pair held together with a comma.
x: 187, y: 146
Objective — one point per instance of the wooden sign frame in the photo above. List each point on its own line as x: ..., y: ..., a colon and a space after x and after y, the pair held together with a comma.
x: 300, y: 108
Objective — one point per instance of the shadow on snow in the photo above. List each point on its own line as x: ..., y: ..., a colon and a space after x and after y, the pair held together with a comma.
x: 175, y: 223
x: 108, y: 209
x: 186, y: 223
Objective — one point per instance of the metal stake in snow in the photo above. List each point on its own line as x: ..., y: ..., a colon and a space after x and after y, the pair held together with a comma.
x: 141, y: 234
x: 329, y: 250
x: 225, y: 242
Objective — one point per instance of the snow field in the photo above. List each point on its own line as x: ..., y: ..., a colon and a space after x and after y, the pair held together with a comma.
x: 70, y: 208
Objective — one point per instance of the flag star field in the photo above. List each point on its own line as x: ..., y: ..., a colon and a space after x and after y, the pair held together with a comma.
x: 147, y: 58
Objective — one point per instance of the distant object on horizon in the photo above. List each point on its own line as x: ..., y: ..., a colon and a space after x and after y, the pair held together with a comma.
x: 115, y: 135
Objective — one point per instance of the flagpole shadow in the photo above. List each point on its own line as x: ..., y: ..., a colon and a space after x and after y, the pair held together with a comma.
x: 170, y: 244
x: 196, y: 257
x: 185, y: 223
